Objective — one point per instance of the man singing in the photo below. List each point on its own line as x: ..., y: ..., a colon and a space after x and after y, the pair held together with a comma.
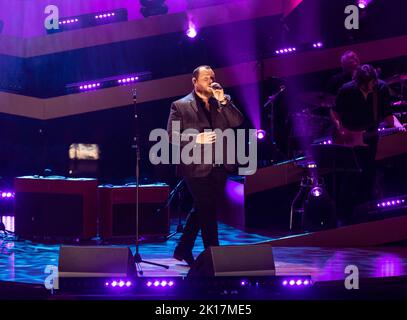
x: 205, y: 108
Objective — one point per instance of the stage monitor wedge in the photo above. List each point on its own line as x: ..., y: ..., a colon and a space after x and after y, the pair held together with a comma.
x: 245, y: 260
x: 95, y: 262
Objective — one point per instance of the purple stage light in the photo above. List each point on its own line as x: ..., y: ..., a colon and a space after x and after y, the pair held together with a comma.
x: 114, y: 284
x: 390, y: 203
x: 129, y: 79
x: 296, y: 282
x: 160, y: 283
x: 89, y: 86
x: 191, y: 32
x: 260, y: 134
x: 7, y: 194
x: 362, y: 4
x: 285, y: 50
x: 68, y: 21
x: 316, y: 192
x: 105, y: 15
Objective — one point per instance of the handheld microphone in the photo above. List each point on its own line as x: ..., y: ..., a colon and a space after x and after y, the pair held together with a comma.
x: 216, y: 86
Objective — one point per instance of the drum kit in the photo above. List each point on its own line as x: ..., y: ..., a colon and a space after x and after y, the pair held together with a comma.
x: 313, y: 122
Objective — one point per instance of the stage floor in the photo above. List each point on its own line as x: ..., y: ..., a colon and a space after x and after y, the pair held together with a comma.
x: 25, y: 261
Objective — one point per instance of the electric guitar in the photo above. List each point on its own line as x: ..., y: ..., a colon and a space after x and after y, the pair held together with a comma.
x: 358, y: 138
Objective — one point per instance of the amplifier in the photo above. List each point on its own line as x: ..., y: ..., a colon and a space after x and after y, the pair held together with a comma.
x: 55, y: 207
x: 118, y: 211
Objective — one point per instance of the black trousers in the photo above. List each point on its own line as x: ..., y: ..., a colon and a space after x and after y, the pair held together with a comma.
x: 207, y: 193
x: 357, y: 188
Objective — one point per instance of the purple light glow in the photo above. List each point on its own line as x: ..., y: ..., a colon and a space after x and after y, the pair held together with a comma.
x: 129, y: 79
x: 68, y: 21
x: 296, y: 282
x: 388, y: 265
x: 285, y: 50
x: 191, y: 32
x: 119, y: 284
x: 261, y: 134
x: 160, y: 283
x: 316, y: 192
x: 362, y: 4
x: 89, y: 86
x: 8, y: 223
x: 105, y: 15
x: 390, y: 203
x: 7, y: 194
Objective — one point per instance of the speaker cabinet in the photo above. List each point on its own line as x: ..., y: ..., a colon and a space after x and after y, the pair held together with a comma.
x: 247, y: 260
x: 118, y: 211
x: 95, y: 261
x: 55, y: 208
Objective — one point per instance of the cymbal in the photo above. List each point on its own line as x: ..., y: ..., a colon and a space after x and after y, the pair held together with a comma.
x: 318, y: 98
x: 397, y: 78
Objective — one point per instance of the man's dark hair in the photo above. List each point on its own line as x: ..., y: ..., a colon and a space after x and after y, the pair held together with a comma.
x: 365, y: 74
x: 195, y: 73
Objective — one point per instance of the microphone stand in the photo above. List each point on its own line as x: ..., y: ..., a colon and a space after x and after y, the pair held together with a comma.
x: 270, y: 104
x: 136, y: 145
x: 176, y: 190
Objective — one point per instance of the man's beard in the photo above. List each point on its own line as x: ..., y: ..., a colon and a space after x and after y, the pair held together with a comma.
x: 204, y: 93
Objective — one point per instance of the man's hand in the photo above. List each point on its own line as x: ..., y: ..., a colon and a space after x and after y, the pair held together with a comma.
x: 218, y: 92
x: 206, y: 138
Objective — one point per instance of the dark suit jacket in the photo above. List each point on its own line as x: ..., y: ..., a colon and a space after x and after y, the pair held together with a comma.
x: 191, y: 116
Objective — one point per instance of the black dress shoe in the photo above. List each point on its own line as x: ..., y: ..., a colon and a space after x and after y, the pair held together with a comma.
x: 186, y: 255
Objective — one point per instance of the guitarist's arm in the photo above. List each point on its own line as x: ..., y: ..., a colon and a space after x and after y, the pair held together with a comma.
x: 336, y: 119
